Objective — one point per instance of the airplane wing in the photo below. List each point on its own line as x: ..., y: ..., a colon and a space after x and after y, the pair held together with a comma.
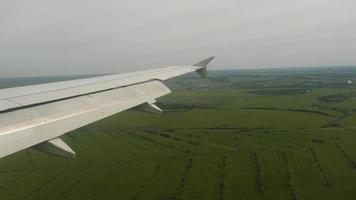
x: 36, y: 116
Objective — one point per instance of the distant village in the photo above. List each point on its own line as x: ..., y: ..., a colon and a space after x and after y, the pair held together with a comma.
x: 206, y: 86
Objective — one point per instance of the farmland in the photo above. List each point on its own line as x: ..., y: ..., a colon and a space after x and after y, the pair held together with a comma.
x: 238, y: 135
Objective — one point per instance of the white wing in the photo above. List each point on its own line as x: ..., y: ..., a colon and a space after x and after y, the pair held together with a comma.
x: 36, y: 116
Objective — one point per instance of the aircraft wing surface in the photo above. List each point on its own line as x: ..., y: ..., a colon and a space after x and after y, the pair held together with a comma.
x: 36, y: 116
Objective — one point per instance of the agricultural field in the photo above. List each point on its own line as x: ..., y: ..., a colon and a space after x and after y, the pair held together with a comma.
x: 243, y: 134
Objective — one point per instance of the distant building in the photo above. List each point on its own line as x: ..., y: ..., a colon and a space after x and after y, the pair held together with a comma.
x: 349, y: 82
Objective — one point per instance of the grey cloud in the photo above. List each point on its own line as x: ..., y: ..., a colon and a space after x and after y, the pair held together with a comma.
x: 41, y: 37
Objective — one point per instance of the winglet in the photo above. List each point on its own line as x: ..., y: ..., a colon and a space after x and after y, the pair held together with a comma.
x: 203, y: 71
x: 205, y: 62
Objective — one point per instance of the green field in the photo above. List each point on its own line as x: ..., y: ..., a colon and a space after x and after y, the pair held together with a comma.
x: 242, y: 135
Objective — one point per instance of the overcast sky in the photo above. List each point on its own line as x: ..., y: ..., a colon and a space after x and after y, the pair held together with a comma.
x: 56, y: 37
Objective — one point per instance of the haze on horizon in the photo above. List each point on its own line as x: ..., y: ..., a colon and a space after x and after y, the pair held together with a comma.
x: 64, y: 37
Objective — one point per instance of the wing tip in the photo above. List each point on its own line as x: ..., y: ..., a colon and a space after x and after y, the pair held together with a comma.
x: 204, y: 62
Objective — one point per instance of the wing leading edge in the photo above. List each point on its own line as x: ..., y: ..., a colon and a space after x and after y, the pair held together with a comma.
x: 36, y: 116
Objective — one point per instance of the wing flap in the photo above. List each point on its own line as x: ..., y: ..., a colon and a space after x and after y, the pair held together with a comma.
x: 27, y: 127
x: 42, y: 97
x: 5, y: 105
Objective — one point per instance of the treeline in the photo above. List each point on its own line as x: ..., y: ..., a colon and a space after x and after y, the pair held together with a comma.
x: 177, y: 106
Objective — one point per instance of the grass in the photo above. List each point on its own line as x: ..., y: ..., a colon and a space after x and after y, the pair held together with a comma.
x: 234, y: 144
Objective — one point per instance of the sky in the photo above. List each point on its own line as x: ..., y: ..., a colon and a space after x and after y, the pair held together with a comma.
x: 72, y: 37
